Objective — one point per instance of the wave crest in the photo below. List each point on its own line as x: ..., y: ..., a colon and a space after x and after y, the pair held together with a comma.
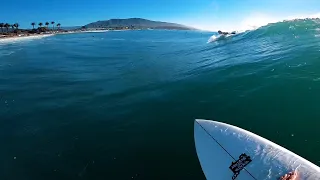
x: 294, y: 27
x: 285, y: 30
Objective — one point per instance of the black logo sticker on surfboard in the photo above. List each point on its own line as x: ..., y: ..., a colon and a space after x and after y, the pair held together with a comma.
x: 237, y: 166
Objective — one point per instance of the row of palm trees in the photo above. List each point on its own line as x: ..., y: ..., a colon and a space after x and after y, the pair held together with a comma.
x: 16, y: 26
x: 7, y: 26
x: 47, y: 24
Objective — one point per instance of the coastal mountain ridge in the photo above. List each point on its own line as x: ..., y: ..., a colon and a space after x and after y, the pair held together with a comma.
x: 137, y: 23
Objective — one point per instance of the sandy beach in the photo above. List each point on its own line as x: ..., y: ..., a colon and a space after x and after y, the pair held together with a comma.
x: 22, y: 38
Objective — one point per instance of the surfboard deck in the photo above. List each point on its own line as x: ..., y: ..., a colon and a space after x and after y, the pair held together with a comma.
x: 228, y: 152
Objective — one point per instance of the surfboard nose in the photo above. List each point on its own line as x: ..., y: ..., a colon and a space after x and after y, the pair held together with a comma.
x: 201, y: 121
x: 207, y: 124
x: 221, y: 147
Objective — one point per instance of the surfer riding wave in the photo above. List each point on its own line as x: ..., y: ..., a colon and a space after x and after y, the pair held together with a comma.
x: 225, y: 33
x: 222, y: 35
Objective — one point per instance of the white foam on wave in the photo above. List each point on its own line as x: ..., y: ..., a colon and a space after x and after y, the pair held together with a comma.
x: 258, y: 20
x: 218, y: 37
x: 254, y: 21
x: 212, y: 39
x: 23, y: 38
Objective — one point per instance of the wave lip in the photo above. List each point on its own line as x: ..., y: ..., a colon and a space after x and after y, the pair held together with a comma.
x: 259, y: 20
x: 294, y: 28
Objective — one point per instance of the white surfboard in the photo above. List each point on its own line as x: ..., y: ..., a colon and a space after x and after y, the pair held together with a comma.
x: 227, y: 152
x: 214, y: 38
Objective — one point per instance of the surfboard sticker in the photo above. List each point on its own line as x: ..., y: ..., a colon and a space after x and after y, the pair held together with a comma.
x: 219, y: 147
x: 238, y: 165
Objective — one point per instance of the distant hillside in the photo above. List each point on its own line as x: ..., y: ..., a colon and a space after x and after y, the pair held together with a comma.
x: 136, y: 23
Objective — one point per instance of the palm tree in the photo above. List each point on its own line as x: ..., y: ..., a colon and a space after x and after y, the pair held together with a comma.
x: 2, y: 26
x: 33, y: 24
x: 7, y: 25
x: 16, y: 25
x: 52, y: 25
x: 58, y: 25
x: 12, y: 26
x: 47, y: 24
x: 40, y: 24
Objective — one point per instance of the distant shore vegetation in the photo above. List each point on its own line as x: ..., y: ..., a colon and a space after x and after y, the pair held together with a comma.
x: 10, y: 30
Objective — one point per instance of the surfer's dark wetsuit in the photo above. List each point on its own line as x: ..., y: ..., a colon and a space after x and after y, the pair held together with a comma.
x: 226, y: 33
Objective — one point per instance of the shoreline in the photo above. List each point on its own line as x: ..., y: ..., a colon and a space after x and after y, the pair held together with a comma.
x: 22, y: 37
x: 25, y: 37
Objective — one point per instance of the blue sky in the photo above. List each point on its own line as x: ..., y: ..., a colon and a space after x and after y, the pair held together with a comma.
x: 204, y: 14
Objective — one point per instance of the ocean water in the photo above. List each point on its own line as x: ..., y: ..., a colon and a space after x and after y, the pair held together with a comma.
x: 121, y: 105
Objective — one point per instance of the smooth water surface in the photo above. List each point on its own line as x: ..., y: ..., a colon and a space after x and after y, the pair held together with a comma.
x: 121, y: 105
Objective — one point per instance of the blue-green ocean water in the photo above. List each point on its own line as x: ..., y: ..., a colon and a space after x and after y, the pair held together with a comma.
x: 121, y: 105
